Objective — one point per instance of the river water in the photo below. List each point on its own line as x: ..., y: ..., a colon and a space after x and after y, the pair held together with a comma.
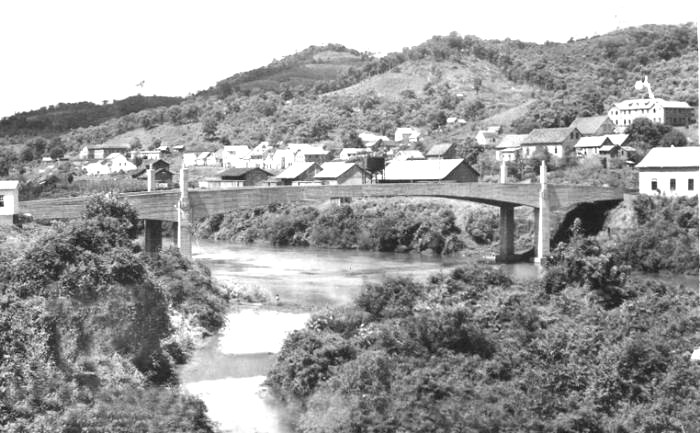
x: 227, y: 373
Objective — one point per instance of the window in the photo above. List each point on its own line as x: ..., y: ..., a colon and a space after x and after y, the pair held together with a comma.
x: 654, y: 185
x: 691, y: 185
x: 673, y: 184
x: 2, y: 201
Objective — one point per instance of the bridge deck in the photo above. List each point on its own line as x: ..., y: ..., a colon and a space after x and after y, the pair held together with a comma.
x: 161, y: 205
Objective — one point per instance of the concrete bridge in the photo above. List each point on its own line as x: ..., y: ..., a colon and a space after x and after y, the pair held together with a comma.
x: 185, y: 206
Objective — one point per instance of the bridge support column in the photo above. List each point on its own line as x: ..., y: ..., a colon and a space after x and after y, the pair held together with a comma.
x: 150, y: 179
x: 507, y: 235
x: 184, y: 224
x: 543, y: 218
x: 503, y: 178
x: 153, y: 236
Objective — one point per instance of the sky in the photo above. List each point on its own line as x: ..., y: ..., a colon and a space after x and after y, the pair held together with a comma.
x: 76, y: 50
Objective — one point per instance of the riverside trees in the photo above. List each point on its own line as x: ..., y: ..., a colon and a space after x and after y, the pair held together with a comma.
x: 83, y: 318
x: 472, y: 351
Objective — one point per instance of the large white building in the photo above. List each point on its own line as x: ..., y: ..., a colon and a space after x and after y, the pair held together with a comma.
x: 677, y: 113
x: 670, y: 171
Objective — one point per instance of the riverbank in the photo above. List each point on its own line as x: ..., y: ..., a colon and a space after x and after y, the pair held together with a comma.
x: 430, y: 226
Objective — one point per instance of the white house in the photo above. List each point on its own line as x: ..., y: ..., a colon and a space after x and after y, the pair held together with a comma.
x: 591, y: 146
x: 233, y: 156
x: 9, y: 199
x: 670, y: 171
x: 486, y: 138
x: 554, y: 140
x: 408, y: 154
x: 280, y: 159
x: 352, y: 152
x: 407, y: 135
x: 509, y: 147
x: 114, y: 163
x: 189, y: 159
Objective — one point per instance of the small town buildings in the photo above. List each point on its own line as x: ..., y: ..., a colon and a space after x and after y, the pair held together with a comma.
x: 163, y: 176
x: 234, y: 156
x: 593, y: 125
x: 670, y: 171
x: 554, y: 140
x: 314, y: 154
x: 657, y: 110
x: 280, y: 159
x: 429, y: 170
x: 352, y: 152
x: 405, y: 155
x: 256, y: 156
x: 509, y: 147
x: 236, y: 177
x: 101, y: 151
x: 590, y: 146
x: 298, y: 173
x: 373, y: 140
x: 342, y: 173
x: 148, y: 154
x: 488, y: 136
x: 9, y: 199
x: 189, y: 159
x: 407, y: 135
x: 442, y: 151
x: 113, y: 163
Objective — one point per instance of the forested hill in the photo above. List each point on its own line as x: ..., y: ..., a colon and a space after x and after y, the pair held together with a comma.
x: 64, y: 117
x: 332, y: 92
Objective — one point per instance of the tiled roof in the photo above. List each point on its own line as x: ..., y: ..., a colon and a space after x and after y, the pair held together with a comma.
x: 295, y: 170
x: 588, y: 125
x: 421, y: 169
x: 511, y: 140
x: 672, y: 157
x: 333, y: 170
x: 595, y: 141
x: 439, y: 149
x: 634, y: 104
x: 547, y: 136
x: 672, y: 104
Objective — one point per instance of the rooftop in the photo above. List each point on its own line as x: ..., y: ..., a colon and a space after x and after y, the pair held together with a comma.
x: 618, y: 139
x: 9, y: 184
x: 237, y: 172
x: 295, y: 170
x: 439, y: 149
x: 511, y: 140
x: 595, y: 141
x: 672, y: 157
x: 547, y: 135
x: 333, y: 170
x: 588, y: 125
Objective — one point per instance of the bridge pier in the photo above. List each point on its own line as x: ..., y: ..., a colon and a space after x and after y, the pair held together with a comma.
x: 542, y: 217
x: 153, y: 236
x: 184, y: 223
x: 507, y: 235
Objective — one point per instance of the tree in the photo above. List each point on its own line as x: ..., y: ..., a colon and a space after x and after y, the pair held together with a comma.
x: 8, y: 158
x: 351, y: 139
x: 477, y: 84
x: 209, y: 125
x: 135, y: 143
x: 673, y: 138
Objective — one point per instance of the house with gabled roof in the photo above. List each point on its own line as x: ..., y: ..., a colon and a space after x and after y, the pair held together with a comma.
x: 593, y: 125
x: 9, y: 200
x: 670, y: 171
x: 342, y: 173
x: 236, y: 177
x: 676, y: 113
x: 590, y: 146
x: 407, y: 135
x: 429, y: 170
x: 508, y: 148
x: 234, y: 156
x: 297, y: 174
x: 442, y: 151
x: 554, y: 140
x: 486, y: 138
x: 352, y: 152
x: 101, y: 151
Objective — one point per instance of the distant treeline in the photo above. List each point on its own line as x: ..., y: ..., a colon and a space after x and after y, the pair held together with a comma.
x: 62, y: 117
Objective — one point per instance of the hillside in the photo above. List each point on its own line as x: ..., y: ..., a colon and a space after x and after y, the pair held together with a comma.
x: 64, y: 117
x: 327, y: 93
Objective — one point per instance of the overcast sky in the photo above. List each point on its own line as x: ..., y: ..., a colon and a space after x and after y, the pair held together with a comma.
x: 73, y: 50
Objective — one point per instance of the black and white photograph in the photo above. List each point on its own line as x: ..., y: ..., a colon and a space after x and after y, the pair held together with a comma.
x: 349, y: 217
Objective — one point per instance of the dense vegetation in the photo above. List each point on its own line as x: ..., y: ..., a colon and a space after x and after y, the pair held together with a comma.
x: 86, y: 339
x: 662, y: 236
x: 377, y: 225
x: 470, y: 351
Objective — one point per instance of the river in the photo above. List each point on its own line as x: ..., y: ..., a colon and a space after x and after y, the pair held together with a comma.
x: 228, y: 371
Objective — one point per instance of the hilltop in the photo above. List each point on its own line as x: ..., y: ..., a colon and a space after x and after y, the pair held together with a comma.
x: 327, y: 93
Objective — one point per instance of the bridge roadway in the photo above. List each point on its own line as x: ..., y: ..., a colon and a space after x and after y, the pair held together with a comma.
x: 162, y: 205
